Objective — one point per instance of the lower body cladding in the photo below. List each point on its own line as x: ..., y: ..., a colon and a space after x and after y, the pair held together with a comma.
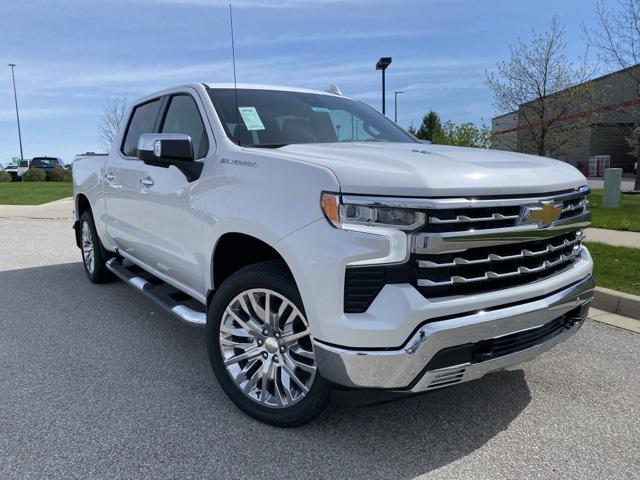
x: 454, y: 350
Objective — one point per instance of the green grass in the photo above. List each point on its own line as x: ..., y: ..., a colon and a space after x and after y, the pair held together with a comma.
x: 617, y: 268
x: 625, y: 217
x: 33, y: 193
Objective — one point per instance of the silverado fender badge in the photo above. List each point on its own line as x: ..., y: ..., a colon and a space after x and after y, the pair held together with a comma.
x: 239, y: 163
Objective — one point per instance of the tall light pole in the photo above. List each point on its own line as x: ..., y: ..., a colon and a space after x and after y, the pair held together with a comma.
x: 382, y: 64
x: 395, y: 104
x: 15, y: 98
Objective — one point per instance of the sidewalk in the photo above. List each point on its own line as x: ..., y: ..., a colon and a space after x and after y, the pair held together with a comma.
x: 617, y: 238
x: 598, y: 182
x: 57, y: 210
x: 614, y: 319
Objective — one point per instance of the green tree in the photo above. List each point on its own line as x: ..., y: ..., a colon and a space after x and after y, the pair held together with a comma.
x: 466, y: 135
x: 431, y: 128
x: 552, y: 95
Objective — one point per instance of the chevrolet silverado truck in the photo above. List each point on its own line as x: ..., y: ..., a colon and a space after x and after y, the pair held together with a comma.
x: 325, y: 249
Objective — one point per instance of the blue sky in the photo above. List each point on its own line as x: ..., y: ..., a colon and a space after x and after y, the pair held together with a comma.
x: 71, y: 54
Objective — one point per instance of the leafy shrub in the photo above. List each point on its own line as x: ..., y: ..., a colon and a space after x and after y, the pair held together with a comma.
x: 5, y: 177
x: 625, y: 224
x: 59, y: 175
x: 34, y: 175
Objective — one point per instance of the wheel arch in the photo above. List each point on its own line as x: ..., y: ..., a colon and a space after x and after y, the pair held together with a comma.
x: 235, y: 250
x: 82, y: 205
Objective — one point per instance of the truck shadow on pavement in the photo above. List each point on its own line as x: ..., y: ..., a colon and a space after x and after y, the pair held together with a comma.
x: 97, y: 379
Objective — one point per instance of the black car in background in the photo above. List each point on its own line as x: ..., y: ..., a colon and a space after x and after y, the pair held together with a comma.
x: 46, y: 163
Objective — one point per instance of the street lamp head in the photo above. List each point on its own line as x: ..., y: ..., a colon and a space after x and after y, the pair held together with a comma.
x: 383, y: 63
x: 12, y: 65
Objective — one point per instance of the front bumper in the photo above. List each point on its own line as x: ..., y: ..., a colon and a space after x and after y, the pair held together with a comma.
x: 409, y: 367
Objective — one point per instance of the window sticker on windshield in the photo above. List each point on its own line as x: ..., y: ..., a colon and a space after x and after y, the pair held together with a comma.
x: 320, y: 109
x: 251, y: 118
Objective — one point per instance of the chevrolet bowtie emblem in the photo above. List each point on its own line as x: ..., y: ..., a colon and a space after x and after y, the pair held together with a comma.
x: 544, y: 215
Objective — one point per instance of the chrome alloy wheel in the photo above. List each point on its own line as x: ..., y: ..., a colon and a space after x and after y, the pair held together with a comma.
x: 266, y: 348
x: 87, y: 247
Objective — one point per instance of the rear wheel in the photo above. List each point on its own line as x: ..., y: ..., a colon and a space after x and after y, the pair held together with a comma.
x: 93, y: 254
x: 260, y: 347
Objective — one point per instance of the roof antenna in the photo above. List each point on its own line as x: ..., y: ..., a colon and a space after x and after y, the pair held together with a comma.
x: 235, y: 84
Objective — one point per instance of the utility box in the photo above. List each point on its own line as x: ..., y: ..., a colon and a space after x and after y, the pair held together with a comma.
x: 612, y: 182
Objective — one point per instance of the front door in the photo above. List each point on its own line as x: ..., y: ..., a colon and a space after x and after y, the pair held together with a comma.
x: 171, y: 232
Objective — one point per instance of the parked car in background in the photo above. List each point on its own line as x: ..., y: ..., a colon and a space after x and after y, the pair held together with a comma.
x: 46, y: 163
x: 17, y: 170
x: 12, y: 169
x: 23, y: 166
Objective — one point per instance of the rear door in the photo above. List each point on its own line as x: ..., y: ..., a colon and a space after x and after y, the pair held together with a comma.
x: 172, y: 233
x: 122, y: 175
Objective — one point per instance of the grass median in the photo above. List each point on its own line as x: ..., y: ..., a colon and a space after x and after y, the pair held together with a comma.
x: 625, y: 217
x: 617, y: 268
x: 33, y: 193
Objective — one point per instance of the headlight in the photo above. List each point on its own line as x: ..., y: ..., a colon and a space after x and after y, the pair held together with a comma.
x: 341, y: 215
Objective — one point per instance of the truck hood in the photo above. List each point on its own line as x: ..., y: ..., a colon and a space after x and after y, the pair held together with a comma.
x: 414, y: 169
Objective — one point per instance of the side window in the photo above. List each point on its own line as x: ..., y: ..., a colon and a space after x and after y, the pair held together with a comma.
x: 183, y: 116
x: 142, y: 121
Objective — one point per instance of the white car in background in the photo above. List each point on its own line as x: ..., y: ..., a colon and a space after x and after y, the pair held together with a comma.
x: 12, y: 169
x: 23, y: 166
x: 17, y: 170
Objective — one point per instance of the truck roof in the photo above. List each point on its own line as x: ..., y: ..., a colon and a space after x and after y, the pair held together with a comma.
x: 259, y: 86
x: 252, y: 86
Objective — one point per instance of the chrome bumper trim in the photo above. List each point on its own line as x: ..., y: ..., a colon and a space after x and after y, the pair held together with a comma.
x: 399, y: 369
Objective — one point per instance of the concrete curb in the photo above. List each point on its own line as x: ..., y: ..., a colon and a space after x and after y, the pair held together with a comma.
x: 617, y: 302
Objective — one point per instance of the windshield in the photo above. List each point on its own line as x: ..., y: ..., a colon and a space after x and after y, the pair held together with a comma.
x: 273, y: 118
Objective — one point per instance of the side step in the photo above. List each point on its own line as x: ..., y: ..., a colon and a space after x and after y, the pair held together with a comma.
x: 171, y: 299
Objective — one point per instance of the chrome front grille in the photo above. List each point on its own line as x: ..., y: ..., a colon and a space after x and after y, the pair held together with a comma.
x: 477, y: 245
x: 498, y: 215
x: 497, y: 243
x: 488, y: 268
x: 554, y: 245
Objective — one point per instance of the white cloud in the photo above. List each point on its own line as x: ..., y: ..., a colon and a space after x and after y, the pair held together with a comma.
x: 9, y: 114
x: 326, y: 37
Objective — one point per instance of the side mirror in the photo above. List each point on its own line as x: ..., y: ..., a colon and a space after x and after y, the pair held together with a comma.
x: 163, y: 149
x: 166, y: 149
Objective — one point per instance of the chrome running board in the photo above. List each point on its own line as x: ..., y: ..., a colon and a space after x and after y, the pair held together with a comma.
x: 166, y: 296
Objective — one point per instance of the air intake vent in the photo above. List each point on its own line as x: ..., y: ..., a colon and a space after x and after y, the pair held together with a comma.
x: 446, y: 378
x: 361, y: 287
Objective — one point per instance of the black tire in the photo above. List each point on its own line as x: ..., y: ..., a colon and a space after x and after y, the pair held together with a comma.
x: 98, y: 272
x: 274, y: 276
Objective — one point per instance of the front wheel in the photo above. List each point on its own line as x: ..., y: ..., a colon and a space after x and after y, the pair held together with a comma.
x: 260, y: 347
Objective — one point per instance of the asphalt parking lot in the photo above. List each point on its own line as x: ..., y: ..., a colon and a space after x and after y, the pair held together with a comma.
x: 95, y: 382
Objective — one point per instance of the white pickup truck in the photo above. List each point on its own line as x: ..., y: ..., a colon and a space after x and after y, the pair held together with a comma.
x: 326, y: 250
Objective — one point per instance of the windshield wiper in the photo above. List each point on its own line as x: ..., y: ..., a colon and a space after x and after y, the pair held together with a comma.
x: 267, y: 145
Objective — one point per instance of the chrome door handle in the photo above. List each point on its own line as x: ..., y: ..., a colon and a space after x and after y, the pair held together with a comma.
x: 147, y: 181
x: 109, y: 176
